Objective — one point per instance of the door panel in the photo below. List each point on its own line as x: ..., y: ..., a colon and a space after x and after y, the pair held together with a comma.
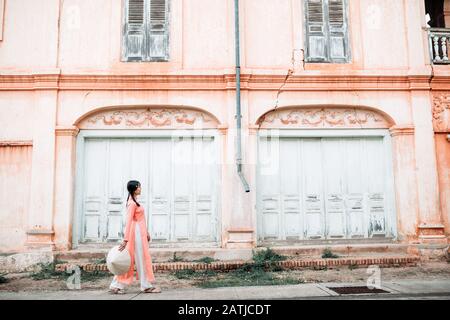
x: 313, y: 188
x: 354, y: 163
x: 376, y: 186
x: 204, y: 185
x: 270, y: 188
x: 117, y: 172
x: 290, y: 189
x: 333, y: 168
x: 182, y: 186
x: 160, y: 167
x: 94, y: 195
x: 178, y: 178
x: 322, y: 188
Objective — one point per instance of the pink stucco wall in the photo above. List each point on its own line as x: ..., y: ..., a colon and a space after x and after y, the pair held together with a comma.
x: 52, y: 74
x: 15, y: 172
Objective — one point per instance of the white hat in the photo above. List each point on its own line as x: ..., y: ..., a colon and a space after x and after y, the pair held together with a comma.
x: 118, y: 262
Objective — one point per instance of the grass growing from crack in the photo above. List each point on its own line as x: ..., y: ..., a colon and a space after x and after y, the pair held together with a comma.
x: 47, y: 271
x: 206, y: 260
x: 94, y: 275
x: 175, y: 258
x: 253, y: 277
x: 99, y: 261
x: 328, y: 254
x: 260, y: 272
x: 195, y: 275
x: 353, y: 266
x: 3, y: 279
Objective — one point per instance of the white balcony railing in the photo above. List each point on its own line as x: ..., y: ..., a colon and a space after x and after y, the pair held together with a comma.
x: 439, y: 45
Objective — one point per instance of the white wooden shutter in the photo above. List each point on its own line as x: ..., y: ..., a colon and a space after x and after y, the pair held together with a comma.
x: 316, y: 30
x: 134, y: 34
x: 337, y: 30
x: 326, y: 31
x: 159, y: 30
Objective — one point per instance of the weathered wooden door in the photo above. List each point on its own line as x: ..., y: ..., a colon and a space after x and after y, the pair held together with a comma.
x: 323, y: 188
x: 178, y: 178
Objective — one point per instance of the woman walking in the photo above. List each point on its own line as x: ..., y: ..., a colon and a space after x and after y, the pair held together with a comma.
x: 136, y: 240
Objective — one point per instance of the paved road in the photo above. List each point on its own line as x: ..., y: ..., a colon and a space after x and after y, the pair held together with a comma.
x: 402, y: 289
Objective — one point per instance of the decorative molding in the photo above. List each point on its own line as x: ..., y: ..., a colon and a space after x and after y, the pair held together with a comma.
x: 441, y: 111
x: 223, y: 129
x: 67, y: 131
x: 433, y: 233
x: 40, y: 232
x: 171, y: 118
x: 53, y: 79
x: 402, y: 130
x: 25, y: 143
x: 240, y: 238
x: 253, y: 129
x: 241, y: 230
x: 333, y: 117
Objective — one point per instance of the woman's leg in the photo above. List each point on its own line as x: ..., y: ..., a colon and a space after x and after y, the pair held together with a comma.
x: 116, y: 286
x: 139, y: 256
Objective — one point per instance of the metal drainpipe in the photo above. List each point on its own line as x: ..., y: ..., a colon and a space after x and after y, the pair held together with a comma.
x: 238, y: 97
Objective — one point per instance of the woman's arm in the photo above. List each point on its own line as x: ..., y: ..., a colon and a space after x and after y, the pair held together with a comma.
x: 130, y: 213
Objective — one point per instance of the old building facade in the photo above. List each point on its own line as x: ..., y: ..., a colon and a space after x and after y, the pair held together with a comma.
x: 345, y: 122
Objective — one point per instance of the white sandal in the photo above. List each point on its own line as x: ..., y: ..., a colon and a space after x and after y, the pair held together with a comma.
x: 152, y: 290
x: 117, y: 291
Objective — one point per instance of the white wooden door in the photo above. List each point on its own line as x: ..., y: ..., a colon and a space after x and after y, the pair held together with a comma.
x: 178, y: 178
x: 323, y: 188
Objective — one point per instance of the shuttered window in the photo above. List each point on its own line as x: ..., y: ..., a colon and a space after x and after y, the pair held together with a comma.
x: 146, y: 30
x: 326, y: 31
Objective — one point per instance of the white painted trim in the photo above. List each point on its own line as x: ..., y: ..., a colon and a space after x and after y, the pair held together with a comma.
x: 391, y: 217
x: 77, y: 216
x: 77, y: 233
x: 323, y: 133
x: 169, y: 133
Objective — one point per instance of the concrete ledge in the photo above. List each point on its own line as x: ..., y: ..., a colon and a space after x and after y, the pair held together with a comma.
x: 162, y: 254
x: 25, y: 262
x: 287, y: 264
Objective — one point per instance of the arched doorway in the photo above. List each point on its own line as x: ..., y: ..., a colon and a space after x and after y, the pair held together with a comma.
x: 324, y: 173
x: 173, y: 153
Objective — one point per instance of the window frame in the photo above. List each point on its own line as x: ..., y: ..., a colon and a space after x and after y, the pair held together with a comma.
x: 327, y: 34
x: 146, y: 56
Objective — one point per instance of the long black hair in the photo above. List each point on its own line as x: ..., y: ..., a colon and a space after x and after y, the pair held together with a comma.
x: 132, y: 185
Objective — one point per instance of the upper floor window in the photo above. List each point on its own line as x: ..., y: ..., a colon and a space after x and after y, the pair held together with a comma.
x: 435, y: 8
x: 326, y: 31
x: 146, y: 30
